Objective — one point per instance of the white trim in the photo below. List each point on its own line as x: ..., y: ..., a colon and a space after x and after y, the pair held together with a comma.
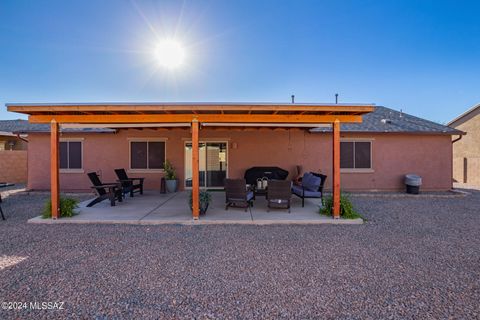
x: 350, y: 170
x: 146, y: 139
x: 205, y: 141
x: 472, y: 109
x: 76, y: 170
x: 143, y: 139
x: 72, y: 171
x: 145, y: 170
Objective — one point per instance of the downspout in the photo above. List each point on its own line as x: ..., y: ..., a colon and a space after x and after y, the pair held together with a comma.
x: 23, y: 139
x: 458, y: 139
x: 453, y: 141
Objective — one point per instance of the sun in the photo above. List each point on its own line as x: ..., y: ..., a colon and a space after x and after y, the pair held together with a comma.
x: 170, y: 54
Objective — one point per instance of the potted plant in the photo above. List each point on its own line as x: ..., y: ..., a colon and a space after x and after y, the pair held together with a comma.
x: 170, y: 177
x: 205, y: 198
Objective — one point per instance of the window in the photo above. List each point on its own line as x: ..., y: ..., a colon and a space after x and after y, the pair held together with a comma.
x: 147, y: 154
x: 70, y: 155
x: 355, y: 155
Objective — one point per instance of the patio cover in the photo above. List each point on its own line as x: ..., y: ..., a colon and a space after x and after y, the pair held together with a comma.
x: 195, y: 115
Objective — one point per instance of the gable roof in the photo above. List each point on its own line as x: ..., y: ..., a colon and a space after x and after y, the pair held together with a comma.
x: 386, y: 120
x: 381, y: 120
x: 465, y: 116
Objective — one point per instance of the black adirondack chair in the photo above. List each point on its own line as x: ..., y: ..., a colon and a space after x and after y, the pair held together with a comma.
x: 111, y: 191
x: 129, y: 185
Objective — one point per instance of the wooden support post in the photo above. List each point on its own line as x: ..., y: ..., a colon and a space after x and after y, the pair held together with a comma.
x: 336, y: 169
x: 54, y: 168
x: 195, y: 171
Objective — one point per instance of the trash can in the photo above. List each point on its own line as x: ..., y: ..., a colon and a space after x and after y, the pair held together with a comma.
x: 413, y: 183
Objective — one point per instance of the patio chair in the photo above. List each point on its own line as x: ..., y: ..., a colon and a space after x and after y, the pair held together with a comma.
x: 237, y: 194
x: 310, y: 187
x: 129, y: 185
x: 279, y: 194
x: 111, y: 191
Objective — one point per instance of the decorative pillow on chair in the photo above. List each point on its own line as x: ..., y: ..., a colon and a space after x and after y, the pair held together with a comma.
x: 311, y: 182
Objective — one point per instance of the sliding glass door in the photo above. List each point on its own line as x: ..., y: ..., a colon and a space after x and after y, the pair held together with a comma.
x: 212, y: 164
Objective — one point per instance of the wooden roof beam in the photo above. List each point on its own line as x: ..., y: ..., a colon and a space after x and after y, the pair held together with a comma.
x: 182, y: 118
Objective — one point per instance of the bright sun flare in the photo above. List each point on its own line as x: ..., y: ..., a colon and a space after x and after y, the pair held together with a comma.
x: 170, y: 54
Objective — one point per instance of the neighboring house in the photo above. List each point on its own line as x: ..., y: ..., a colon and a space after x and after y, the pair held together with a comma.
x: 13, y: 151
x: 375, y: 154
x: 466, y: 151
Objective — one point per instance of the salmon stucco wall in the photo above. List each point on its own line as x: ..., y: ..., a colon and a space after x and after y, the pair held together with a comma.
x: 393, y: 156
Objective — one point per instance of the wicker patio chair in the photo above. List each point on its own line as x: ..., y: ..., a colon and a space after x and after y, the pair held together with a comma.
x: 237, y: 194
x: 279, y: 194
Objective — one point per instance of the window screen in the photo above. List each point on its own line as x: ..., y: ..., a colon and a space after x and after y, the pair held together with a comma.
x: 346, y: 155
x: 355, y: 155
x: 147, y: 154
x: 70, y: 155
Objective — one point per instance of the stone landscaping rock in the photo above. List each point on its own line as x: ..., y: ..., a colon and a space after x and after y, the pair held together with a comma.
x: 413, y: 258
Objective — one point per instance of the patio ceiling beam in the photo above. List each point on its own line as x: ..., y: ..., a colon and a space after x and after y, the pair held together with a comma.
x: 286, y: 125
x: 182, y: 118
x: 124, y: 125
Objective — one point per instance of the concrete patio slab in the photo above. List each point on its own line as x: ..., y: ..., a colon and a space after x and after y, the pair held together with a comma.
x: 155, y: 208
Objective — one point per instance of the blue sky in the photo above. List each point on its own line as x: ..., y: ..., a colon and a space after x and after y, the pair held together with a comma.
x: 419, y: 56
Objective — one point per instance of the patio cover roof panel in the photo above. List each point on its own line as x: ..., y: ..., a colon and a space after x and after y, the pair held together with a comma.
x: 186, y: 112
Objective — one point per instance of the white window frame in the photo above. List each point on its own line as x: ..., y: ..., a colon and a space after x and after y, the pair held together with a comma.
x: 130, y: 140
x: 66, y: 170
x: 212, y: 140
x: 359, y: 170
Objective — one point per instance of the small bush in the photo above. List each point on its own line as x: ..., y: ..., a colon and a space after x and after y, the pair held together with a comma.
x: 346, y: 208
x: 204, y: 198
x: 67, y: 208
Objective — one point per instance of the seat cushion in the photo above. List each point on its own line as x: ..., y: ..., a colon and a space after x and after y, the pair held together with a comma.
x: 298, y: 190
x: 313, y: 194
x: 310, y: 194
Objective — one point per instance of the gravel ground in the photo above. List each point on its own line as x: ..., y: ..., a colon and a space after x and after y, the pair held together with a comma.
x: 413, y: 258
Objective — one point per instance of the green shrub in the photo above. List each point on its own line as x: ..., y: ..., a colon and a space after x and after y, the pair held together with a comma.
x: 204, y: 198
x: 67, y: 208
x: 346, y: 208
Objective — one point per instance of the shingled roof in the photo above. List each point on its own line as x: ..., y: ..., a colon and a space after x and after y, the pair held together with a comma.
x: 25, y: 127
x: 391, y: 121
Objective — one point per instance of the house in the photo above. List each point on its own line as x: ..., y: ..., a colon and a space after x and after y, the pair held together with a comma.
x: 466, y: 151
x: 13, y: 151
x: 376, y: 145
